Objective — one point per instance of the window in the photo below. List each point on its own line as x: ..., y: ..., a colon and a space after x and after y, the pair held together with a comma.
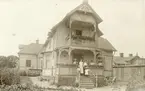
x: 28, y: 63
x: 79, y: 32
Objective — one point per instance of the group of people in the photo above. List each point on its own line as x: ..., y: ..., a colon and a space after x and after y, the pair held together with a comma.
x: 83, y: 68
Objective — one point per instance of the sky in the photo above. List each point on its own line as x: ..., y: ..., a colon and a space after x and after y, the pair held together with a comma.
x: 25, y: 21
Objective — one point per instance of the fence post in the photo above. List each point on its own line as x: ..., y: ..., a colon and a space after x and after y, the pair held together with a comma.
x: 52, y: 71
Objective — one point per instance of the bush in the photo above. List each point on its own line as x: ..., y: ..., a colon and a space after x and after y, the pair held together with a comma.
x: 9, y: 76
x: 66, y: 81
x: 101, y: 81
x: 29, y: 73
x: 33, y: 73
x: 29, y: 87
x: 23, y: 73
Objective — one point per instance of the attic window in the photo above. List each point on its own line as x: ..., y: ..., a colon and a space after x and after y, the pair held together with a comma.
x: 79, y: 32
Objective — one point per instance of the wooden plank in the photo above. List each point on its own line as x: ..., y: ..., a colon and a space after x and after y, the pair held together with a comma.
x: 127, y: 66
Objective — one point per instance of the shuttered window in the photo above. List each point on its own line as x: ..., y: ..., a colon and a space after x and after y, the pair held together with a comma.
x: 28, y: 63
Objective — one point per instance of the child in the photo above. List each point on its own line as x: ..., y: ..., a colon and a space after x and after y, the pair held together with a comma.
x: 87, y: 71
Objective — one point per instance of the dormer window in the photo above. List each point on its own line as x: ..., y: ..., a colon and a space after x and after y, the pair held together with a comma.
x: 78, y: 32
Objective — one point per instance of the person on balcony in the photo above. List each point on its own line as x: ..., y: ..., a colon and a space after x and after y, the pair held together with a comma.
x: 81, y: 66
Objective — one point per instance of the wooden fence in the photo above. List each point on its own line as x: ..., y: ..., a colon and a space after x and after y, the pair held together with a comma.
x: 124, y: 73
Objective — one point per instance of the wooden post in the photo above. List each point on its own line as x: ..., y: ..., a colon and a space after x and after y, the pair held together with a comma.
x: 52, y: 71
x: 69, y: 53
x: 94, y: 55
x: 96, y: 78
x: 79, y: 80
x: 59, y: 56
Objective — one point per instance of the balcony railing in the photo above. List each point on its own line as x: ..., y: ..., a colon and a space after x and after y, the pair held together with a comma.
x: 95, y: 65
x: 83, y: 38
x: 83, y: 41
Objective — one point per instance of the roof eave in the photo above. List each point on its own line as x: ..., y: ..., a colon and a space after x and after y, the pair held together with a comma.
x: 28, y: 53
x: 114, y: 50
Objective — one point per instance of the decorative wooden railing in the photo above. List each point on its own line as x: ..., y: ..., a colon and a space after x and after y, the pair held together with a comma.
x: 83, y: 38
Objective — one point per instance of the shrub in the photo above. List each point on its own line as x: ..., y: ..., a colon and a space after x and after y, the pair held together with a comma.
x: 33, y: 73
x: 9, y: 76
x: 23, y: 73
x: 66, y: 81
x: 20, y: 87
x: 101, y: 81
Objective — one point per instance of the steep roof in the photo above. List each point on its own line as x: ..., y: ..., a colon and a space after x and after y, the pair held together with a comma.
x: 32, y: 48
x: 84, y: 7
x: 105, y: 44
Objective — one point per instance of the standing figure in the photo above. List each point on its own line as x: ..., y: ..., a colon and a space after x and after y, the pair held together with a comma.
x: 85, y: 66
x: 75, y: 61
x: 81, y: 65
x: 87, y: 71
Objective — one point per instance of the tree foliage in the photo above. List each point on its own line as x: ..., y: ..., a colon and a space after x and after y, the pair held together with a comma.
x: 9, y: 61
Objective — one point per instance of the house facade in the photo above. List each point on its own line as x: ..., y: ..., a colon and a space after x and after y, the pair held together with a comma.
x: 30, y: 56
x: 77, y: 37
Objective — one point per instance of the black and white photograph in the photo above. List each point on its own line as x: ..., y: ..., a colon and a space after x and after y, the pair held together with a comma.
x: 72, y: 45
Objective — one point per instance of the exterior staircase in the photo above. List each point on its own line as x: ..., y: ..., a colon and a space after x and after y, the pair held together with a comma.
x: 87, y: 82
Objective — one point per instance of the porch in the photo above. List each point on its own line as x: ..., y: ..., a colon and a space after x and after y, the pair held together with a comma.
x: 66, y: 69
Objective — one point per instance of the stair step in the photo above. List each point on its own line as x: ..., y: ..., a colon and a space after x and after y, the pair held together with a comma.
x: 86, y: 81
x: 88, y: 87
x: 86, y: 84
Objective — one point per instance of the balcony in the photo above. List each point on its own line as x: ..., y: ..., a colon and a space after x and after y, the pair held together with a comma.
x: 83, y: 41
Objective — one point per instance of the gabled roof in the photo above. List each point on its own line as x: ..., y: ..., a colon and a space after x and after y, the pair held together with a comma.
x: 123, y: 60
x: 81, y: 7
x: 105, y: 44
x: 32, y: 48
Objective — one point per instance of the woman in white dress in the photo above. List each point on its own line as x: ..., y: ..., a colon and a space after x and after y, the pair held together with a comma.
x: 81, y: 67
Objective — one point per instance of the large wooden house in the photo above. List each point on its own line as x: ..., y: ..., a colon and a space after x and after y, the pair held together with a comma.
x: 77, y: 37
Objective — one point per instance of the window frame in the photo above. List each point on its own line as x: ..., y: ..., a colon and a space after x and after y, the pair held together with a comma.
x: 28, y: 63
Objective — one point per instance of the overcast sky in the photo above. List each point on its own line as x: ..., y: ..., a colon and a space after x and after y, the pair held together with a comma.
x: 24, y: 21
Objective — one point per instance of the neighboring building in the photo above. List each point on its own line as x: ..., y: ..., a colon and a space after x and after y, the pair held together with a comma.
x: 126, y: 67
x: 128, y: 60
x: 77, y: 37
x: 29, y: 56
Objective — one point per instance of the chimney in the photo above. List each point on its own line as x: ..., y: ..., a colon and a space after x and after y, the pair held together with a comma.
x: 85, y: 1
x: 121, y: 54
x: 130, y: 55
x: 37, y: 41
x: 21, y: 47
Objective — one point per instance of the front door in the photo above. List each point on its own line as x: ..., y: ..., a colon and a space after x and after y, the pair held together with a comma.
x: 78, y: 56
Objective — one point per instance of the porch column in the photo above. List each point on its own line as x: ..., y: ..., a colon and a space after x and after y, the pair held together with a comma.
x: 94, y: 52
x: 59, y: 53
x: 69, y: 53
x: 95, y: 28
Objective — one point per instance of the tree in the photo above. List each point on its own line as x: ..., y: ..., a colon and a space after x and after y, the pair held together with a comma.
x: 3, y: 61
x: 12, y: 61
x: 9, y: 62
